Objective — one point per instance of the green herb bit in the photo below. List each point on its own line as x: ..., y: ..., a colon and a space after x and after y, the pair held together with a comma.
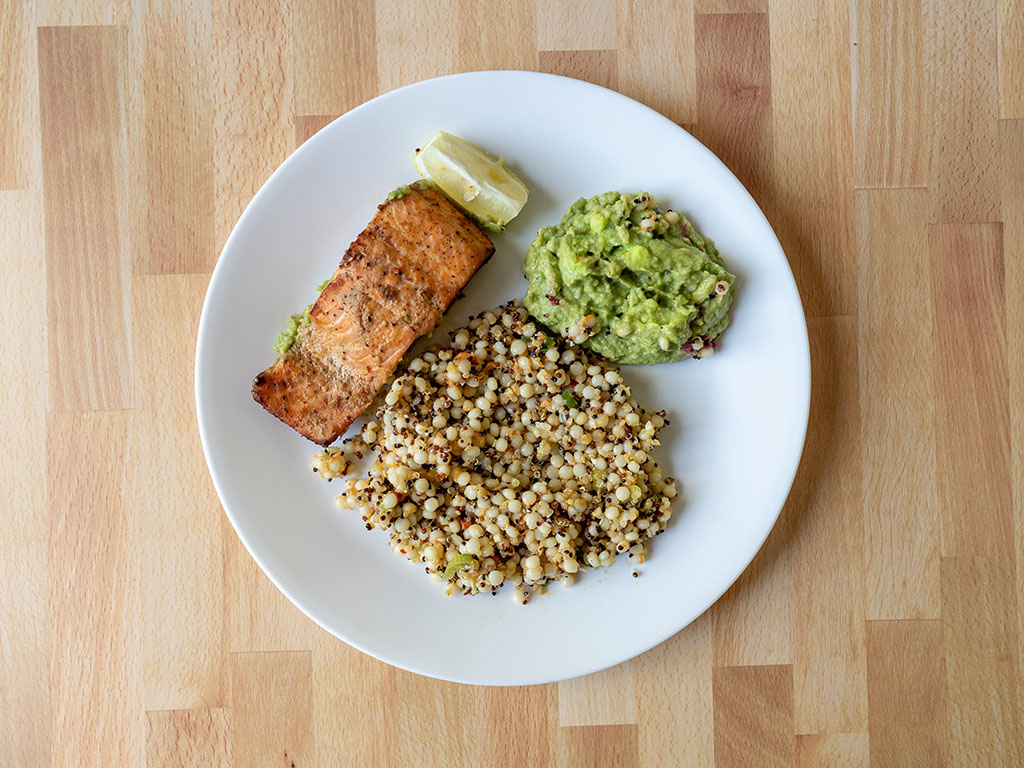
x: 570, y: 400
x: 457, y: 563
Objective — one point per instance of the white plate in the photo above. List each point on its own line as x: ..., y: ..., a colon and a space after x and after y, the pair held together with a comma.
x: 738, y: 418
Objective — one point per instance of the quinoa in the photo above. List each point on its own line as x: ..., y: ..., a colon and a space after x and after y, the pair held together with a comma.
x: 507, y: 457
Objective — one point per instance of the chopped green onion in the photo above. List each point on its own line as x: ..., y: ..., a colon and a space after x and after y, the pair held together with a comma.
x: 457, y: 563
x: 570, y: 400
x: 548, y: 342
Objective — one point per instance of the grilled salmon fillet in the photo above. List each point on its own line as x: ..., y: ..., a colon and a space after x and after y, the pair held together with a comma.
x: 392, y: 286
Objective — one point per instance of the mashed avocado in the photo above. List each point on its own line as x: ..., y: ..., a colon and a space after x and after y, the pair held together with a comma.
x: 286, y: 338
x: 399, y: 192
x: 633, y: 283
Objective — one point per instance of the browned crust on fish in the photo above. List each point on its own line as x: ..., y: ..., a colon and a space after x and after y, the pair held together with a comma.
x: 392, y: 286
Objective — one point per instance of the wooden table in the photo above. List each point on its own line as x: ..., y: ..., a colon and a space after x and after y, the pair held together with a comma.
x: 882, y: 622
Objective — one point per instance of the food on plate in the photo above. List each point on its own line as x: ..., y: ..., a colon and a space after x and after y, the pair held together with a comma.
x: 483, y: 187
x: 287, y: 337
x: 507, y: 457
x: 629, y: 281
x: 392, y: 286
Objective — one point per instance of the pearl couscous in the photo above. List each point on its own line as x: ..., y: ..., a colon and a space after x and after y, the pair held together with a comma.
x: 507, y: 458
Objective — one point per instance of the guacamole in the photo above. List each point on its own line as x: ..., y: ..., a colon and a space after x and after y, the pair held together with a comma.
x: 631, y: 282
x: 399, y: 192
x: 287, y: 337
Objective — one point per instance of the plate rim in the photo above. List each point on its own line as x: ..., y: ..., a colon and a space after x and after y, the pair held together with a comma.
x: 217, y: 273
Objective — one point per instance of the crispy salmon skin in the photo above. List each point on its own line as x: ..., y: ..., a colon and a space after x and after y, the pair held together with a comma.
x: 392, y: 286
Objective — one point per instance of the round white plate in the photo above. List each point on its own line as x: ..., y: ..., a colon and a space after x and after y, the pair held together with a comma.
x: 738, y: 417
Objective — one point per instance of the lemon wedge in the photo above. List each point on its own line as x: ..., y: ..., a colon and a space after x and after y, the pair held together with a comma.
x: 483, y: 187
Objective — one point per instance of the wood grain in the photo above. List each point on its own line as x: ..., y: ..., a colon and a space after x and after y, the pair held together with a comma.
x: 335, y: 60
x: 423, y: 704
x: 964, y: 177
x: 900, y: 488
x: 655, y: 45
x: 881, y: 624
x: 1011, y: 59
x: 893, y: 108
x: 752, y: 620
x: 983, y: 720
x: 24, y: 604
x: 271, y: 710
x: 1012, y: 155
x: 94, y: 592
x: 603, y: 698
x: 734, y: 93
x: 906, y: 674
x: 519, y: 711
x: 413, y: 41
x: 598, y: 67
x: 674, y: 709
x: 16, y: 62
x: 183, y: 628
x: 598, y: 746
x: 972, y: 389
x: 189, y: 739
x: 497, y: 35
x: 253, y: 101
x: 832, y: 750
x: 731, y: 6
x: 812, y: 203
x: 753, y: 716
x: 177, y: 120
x: 353, y: 695
x: 80, y: 13
x: 829, y: 677
x: 88, y: 245
x: 576, y: 25
x: 259, y: 617
x: 308, y: 125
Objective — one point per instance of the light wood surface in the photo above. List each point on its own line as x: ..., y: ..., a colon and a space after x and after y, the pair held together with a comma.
x: 881, y: 625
